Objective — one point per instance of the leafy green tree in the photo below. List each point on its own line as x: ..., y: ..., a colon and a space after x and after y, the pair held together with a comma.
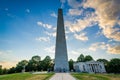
x: 1, y: 69
x: 71, y: 64
x: 12, y: 70
x: 114, y: 66
x: 34, y: 64
x: 46, y: 63
x: 104, y: 61
x: 88, y: 58
x: 21, y: 65
x: 81, y: 58
x: 5, y: 71
x: 36, y: 58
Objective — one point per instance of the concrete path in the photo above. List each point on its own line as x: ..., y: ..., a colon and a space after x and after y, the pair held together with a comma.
x: 62, y: 76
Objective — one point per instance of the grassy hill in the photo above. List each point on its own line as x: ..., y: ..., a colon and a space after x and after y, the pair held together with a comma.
x: 25, y: 76
x: 86, y: 76
x: 46, y: 76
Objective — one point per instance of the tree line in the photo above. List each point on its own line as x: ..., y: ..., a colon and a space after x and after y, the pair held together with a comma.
x: 112, y: 66
x: 47, y: 64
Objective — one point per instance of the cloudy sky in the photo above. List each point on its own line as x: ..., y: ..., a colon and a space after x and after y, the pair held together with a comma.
x: 28, y: 28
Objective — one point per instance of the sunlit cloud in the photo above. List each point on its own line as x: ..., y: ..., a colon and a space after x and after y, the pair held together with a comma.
x: 80, y: 24
x: 112, y: 49
x: 98, y: 45
x: 108, y: 13
x: 81, y: 36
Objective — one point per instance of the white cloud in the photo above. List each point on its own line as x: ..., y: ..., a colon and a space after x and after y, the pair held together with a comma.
x: 108, y: 13
x: 50, y: 49
x: 28, y: 10
x: 110, y: 40
x: 80, y: 24
x: 66, y: 37
x: 53, y: 34
x: 43, y: 39
x: 92, y: 48
x: 74, y: 3
x: 10, y: 15
x: 44, y: 25
x: 75, y: 52
x: 99, y: 33
x: 81, y: 37
x: 6, y: 9
x: 62, y: 3
x: 54, y: 29
x: 54, y: 15
x: 74, y: 12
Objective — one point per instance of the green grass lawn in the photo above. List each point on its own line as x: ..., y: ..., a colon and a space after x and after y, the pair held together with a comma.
x: 26, y: 76
x: 86, y: 76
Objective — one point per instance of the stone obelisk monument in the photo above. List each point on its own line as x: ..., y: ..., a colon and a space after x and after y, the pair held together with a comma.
x: 61, y: 57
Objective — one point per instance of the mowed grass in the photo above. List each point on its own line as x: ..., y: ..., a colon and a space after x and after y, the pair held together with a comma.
x: 86, y: 76
x: 26, y: 76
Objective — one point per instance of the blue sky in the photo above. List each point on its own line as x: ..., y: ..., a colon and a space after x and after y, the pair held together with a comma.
x: 28, y: 28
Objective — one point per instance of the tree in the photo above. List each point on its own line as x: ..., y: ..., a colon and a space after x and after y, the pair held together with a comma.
x: 46, y: 63
x: 4, y: 71
x: 114, y: 66
x: 34, y: 63
x: 36, y: 58
x: 71, y: 64
x: 104, y: 61
x: 88, y: 58
x: 12, y: 70
x: 1, y: 69
x: 81, y: 58
x: 21, y: 65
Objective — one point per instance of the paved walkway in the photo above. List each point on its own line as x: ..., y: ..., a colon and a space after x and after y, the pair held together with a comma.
x: 62, y: 76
